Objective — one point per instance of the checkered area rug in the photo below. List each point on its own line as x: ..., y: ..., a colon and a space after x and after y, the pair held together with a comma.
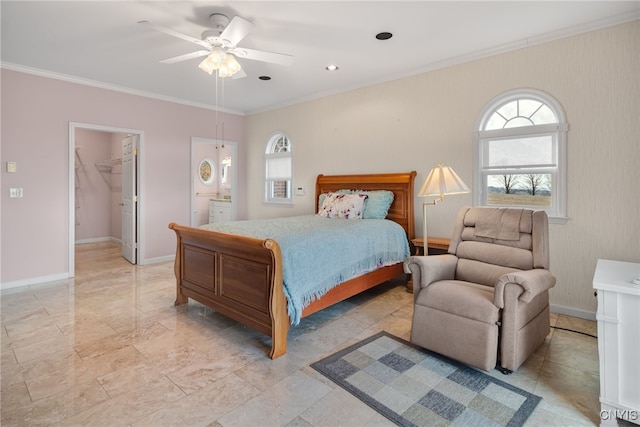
x: 414, y: 387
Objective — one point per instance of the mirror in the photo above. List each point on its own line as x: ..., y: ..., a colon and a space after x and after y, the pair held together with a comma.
x: 206, y: 171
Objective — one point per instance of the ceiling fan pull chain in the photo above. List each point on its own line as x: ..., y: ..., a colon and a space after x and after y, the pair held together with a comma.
x: 223, y: 120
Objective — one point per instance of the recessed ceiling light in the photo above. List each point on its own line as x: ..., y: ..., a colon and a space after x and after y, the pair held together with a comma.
x: 331, y: 67
x: 384, y: 36
x: 264, y: 78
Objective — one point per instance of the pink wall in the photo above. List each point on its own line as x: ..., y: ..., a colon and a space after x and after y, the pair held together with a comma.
x: 36, y: 112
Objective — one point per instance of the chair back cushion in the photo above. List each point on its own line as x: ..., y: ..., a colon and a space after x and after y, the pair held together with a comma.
x: 490, y: 242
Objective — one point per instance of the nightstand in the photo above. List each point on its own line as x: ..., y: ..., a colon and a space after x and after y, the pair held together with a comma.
x: 436, y: 245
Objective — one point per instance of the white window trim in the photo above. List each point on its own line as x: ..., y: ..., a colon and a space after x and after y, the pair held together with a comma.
x: 559, y: 214
x: 277, y: 201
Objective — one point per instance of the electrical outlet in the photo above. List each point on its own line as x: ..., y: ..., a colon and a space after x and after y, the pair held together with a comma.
x: 15, y: 192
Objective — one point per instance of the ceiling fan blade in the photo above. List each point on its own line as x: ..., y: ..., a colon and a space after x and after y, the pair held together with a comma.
x: 174, y: 33
x: 260, y: 55
x: 185, y: 57
x: 237, y: 29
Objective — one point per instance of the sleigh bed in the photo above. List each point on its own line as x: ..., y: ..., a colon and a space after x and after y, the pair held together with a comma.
x: 242, y: 277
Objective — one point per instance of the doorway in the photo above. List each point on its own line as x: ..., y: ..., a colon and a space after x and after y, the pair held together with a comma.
x: 213, y: 177
x: 122, y: 174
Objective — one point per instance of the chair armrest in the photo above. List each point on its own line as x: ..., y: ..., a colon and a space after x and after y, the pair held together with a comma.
x: 428, y: 269
x: 533, y: 282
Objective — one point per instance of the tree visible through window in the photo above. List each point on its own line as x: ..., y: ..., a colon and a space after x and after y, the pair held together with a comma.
x: 520, y: 153
x: 278, y: 170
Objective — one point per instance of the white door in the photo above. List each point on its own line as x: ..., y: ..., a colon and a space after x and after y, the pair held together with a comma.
x: 129, y: 198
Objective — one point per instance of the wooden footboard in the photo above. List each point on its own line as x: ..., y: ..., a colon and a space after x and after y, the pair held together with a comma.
x: 238, y: 276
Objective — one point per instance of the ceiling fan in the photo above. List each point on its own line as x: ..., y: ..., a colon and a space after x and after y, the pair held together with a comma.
x: 220, y: 45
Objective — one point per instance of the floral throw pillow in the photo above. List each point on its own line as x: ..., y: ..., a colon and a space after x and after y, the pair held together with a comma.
x: 348, y: 206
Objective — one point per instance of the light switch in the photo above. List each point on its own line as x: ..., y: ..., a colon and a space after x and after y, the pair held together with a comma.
x: 15, y: 192
x: 11, y: 167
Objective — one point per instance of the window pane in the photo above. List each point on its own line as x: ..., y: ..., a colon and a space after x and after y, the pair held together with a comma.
x: 537, y: 150
x: 509, y: 110
x: 518, y: 122
x: 280, y: 189
x: 519, y: 189
x: 544, y: 116
x: 528, y: 107
x: 496, y: 121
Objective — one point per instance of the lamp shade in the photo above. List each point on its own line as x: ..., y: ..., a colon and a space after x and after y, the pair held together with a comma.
x: 213, y: 61
x: 442, y: 181
x: 207, y: 66
x: 229, y: 67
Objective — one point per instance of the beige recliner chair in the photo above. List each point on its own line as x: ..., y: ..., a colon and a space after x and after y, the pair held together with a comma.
x: 486, y: 302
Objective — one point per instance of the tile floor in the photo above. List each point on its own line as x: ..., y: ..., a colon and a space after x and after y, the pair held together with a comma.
x: 109, y: 348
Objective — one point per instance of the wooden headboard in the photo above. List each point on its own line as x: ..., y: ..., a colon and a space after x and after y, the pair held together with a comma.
x: 401, y: 184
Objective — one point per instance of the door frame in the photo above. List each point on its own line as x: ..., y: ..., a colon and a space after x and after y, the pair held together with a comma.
x: 129, y: 198
x: 234, y: 175
x: 72, y: 193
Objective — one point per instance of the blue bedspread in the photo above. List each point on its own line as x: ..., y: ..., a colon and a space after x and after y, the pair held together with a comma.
x: 319, y: 253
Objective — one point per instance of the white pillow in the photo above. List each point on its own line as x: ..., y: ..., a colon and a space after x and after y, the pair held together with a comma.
x: 349, y: 206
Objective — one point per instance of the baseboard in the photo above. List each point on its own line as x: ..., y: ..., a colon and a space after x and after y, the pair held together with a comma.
x: 159, y: 259
x: 573, y: 312
x: 98, y: 240
x: 33, y: 281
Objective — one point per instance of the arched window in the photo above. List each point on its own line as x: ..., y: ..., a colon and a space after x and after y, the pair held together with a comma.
x: 278, y: 170
x: 520, y: 153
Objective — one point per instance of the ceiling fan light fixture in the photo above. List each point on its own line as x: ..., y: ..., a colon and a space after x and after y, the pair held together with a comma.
x: 213, y: 61
x: 229, y: 67
x: 225, y: 63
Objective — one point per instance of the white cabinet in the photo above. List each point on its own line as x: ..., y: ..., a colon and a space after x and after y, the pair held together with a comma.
x: 219, y: 211
x: 618, y: 319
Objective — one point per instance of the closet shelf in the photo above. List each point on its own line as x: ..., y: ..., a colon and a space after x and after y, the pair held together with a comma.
x: 107, y: 165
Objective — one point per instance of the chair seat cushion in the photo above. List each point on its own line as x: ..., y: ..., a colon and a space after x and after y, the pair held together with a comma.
x: 460, y: 298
